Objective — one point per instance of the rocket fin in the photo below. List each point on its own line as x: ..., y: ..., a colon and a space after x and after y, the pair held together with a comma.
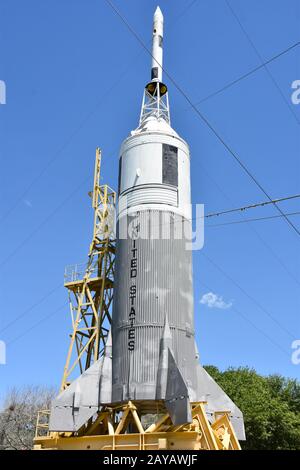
x: 171, y: 386
x: 177, y: 399
x: 162, y: 372
x: 75, y: 405
x: 218, y: 400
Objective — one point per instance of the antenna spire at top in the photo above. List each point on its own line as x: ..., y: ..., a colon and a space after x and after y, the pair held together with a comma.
x: 155, y: 101
x: 157, y: 46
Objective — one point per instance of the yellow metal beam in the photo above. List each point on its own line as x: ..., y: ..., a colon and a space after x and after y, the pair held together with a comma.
x: 91, y: 290
x: 109, y: 432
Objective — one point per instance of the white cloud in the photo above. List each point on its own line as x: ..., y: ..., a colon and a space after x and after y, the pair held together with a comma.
x: 214, y: 301
x: 2, y: 353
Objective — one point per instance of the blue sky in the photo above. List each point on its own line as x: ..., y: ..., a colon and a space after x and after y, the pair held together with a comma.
x: 75, y: 77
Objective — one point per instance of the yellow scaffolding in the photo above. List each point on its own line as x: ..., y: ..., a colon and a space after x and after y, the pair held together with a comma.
x: 120, y: 428
x: 90, y: 286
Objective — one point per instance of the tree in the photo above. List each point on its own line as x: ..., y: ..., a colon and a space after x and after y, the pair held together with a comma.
x: 271, y: 407
x: 18, y: 418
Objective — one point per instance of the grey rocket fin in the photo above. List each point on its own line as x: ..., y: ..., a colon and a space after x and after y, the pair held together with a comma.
x: 177, y: 399
x: 171, y: 386
x: 162, y: 372
x: 75, y: 405
x: 167, y: 332
x: 218, y: 400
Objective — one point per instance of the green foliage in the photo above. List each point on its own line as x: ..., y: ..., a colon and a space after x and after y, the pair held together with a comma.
x: 271, y: 407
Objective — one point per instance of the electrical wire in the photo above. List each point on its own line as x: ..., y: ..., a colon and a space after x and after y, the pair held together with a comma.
x: 55, y: 157
x: 234, y: 14
x: 251, y: 227
x: 238, y: 312
x: 36, y: 304
x: 42, y: 320
x: 68, y: 140
x: 250, y: 297
x: 254, y: 325
x: 81, y: 125
x: 253, y: 206
x: 251, y: 220
x: 185, y: 10
x: 208, y: 216
x: 229, y: 211
x: 251, y: 72
x: 49, y: 216
x: 205, y: 120
x: 55, y: 210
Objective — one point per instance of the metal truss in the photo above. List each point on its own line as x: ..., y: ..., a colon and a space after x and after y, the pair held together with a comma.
x: 90, y: 285
x: 121, y: 428
x: 155, y: 103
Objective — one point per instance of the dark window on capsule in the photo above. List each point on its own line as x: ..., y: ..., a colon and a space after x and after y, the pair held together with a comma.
x: 154, y: 73
x: 170, y: 164
x: 119, y: 176
x: 160, y: 41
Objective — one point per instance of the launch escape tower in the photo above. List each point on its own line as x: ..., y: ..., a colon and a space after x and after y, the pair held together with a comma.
x: 141, y: 385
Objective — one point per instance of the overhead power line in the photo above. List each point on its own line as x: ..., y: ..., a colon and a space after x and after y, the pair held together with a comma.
x: 250, y: 297
x: 206, y: 121
x: 68, y: 140
x: 28, y: 310
x: 252, y: 220
x: 42, y: 320
x: 286, y: 102
x: 46, y: 219
x: 254, y: 325
x: 251, y: 72
x: 228, y: 211
x: 81, y: 125
x: 253, y: 206
x: 237, y: 209
x: 186, y: 9
x: 266, y: 243
x: 215, y: 214
x: 56, y: 156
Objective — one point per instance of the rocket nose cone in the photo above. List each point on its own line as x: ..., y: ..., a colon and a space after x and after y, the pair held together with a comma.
x: 158, y: 13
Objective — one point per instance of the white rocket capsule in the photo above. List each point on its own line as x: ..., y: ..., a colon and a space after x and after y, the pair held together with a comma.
x: 157, y: 43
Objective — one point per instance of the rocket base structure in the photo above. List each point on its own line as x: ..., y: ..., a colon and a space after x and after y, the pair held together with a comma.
x: 148, y: 390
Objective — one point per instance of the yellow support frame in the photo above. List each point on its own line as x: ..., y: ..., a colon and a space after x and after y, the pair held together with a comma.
x: 109, y: 431
x: 91, y: 291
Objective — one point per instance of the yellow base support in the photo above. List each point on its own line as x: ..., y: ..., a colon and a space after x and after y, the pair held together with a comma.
x: 107, y: 432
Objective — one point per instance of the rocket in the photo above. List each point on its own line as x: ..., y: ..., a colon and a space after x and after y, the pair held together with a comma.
x: 157, y: 46
x: 151, y: 357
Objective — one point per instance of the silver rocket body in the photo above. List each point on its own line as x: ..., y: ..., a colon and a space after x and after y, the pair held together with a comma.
x: 153, y: 282
x: 151, y: 356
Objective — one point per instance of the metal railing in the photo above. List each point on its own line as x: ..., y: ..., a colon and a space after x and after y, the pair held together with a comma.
x: 76, y: 272
x: 42, y: 423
